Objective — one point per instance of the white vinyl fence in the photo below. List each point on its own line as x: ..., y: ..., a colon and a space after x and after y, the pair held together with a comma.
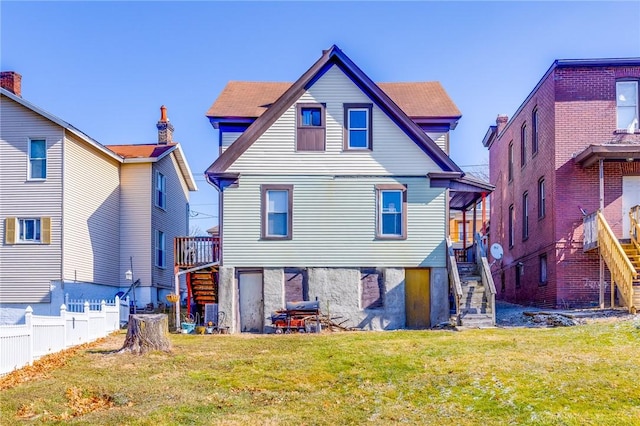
x: 40, y: 335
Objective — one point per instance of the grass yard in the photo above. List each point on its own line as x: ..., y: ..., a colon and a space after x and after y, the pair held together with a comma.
x: 583, y: 375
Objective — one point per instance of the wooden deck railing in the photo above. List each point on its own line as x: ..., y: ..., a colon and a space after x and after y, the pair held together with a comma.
x: 634, y: 230
x: 194, y: 251
x: 622, y: 271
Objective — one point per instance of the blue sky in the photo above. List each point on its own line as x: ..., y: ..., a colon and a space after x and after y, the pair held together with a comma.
x: 106, y: 67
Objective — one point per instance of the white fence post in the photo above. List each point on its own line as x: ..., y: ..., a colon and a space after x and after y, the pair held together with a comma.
x: 28, y: 322
x: 63, y: 318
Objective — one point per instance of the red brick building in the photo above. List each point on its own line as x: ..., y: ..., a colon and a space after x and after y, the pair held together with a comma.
x: 581, y: 119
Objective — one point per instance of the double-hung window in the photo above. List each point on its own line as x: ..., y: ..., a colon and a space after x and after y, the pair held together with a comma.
x: 27, y: 230
x: 392, y: 211
x: 277, y: 212
x: 37, y: 159
x: 161, y: 260
x: 310, y: 122
x: 542, y: 208
x: 523, y: 145
x: 543, y: 269
x: 525, y: 215
x: 627, y: 105
x: 161, y: 190
x: 510, y: 160
x: 534, y: 131
x: 357, y: 123
x: 512, y: 219
x: 30, y: 231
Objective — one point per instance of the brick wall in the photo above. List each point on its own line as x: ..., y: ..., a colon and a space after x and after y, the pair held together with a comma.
x: 576, y: 108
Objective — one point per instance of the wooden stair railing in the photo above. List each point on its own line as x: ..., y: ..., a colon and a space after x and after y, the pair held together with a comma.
x: 454, y: 279
x: 622, y: 271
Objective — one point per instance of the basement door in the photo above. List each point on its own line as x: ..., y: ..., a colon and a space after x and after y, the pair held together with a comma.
x: 417, y: 297
x: 630, y: 198
x: 250, y: 301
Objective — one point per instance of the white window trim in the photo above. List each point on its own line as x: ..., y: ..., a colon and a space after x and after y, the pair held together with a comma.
x: 37, y: 225
x: 350, y: 128
x: 162, y: 190
x: 160, y: 245
x: 33, y: 139
x: 636, y: 122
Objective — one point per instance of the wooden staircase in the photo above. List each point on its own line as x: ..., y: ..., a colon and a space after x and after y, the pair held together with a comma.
x: 204, y: 287
x: 475, y: 309
x: 633, y: 253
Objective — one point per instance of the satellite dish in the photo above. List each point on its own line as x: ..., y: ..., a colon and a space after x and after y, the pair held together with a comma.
x: 496, y: 251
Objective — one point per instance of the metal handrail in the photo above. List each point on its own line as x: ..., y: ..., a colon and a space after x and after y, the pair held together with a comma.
x: 485, y: 273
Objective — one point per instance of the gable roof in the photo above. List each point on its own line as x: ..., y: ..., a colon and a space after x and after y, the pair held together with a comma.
x: 250, y: 99
x: 330, y: 57
x: 60, y: 123
x: 151, y: 153
x: 120, y: 153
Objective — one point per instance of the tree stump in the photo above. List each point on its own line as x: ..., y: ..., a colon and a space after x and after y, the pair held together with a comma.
x: 147, y: 332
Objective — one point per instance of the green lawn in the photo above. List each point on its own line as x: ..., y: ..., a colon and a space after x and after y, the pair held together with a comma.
x: 583, y: 375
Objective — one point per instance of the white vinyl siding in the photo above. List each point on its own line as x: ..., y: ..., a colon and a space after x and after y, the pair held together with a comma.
x: 441, y: 139
x: 172, y: 220
x: 393, y: 152
x: 334, y: 224
x: 91, y: 221
x: 136, y: 238
x: 21, y: 198
x: 228, y: 138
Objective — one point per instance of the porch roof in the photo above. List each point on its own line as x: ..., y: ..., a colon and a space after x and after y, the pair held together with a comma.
x: 608, y: 152
x: 464, y: 190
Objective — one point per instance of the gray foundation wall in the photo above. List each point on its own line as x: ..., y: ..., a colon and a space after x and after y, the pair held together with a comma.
x: 439, y: 281
x: 339, y: 292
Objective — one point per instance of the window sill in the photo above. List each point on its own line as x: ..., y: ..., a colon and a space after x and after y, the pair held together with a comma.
x: 164, y: 209
x: 367, y: 149
x: 626, y: 132
x: 267, y: 238
x: 28, y: 243
x: 36, y: 180
x: 391, y: 237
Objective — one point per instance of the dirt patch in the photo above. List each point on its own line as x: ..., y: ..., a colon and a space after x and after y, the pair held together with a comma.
x: 511, y: 315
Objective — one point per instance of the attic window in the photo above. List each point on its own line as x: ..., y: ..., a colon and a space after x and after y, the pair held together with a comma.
x: 357, y: 127
x: 310, y: 121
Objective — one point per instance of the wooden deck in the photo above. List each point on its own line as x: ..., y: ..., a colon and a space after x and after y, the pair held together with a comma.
x: 190, y: 252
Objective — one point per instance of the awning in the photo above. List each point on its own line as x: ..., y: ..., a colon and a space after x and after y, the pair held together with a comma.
x: 609, y: 152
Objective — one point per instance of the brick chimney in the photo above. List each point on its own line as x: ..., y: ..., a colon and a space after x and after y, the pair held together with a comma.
x: 165, y: 129
x: 11, y: 81
x: 501, y: 122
